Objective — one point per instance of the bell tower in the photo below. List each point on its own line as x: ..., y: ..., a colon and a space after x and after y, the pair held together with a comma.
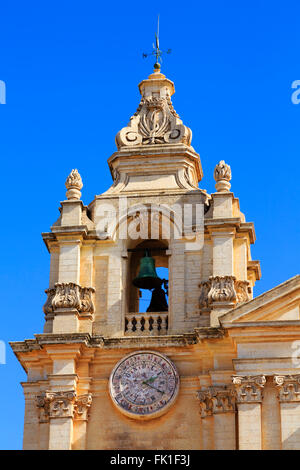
x: 103, y: 256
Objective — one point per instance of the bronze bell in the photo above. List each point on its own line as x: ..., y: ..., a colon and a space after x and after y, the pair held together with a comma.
x: 147, y: 277
x: 158, y: 300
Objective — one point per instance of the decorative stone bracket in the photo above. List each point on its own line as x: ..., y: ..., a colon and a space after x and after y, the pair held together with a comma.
x: 249, y: 388
x: 222, y: 289
x: 63, y: 404
x: 216, y: 400
x: 288, y: 387
x: 70, y: 296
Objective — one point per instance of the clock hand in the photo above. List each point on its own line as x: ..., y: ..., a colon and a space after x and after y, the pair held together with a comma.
x: 146, y: 383
x: 151, y: 380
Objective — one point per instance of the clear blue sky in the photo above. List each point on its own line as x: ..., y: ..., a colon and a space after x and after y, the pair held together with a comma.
x: 71, y: 70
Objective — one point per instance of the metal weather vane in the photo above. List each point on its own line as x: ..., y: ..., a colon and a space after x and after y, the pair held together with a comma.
x: 157, y: 52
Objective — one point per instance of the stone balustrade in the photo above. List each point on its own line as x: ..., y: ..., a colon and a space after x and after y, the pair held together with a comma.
x: 146, y: 324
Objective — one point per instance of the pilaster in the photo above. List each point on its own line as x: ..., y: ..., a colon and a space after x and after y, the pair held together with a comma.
x: 217, y: 408
x: 289, y: 398
x: 249, y: 399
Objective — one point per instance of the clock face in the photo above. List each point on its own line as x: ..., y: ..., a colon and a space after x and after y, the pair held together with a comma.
x: 144, y: 384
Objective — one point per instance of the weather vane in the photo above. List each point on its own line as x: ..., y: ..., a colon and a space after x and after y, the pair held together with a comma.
x: 157, y: 52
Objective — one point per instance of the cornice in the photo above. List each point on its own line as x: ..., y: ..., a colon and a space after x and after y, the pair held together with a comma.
x: 97, y: 341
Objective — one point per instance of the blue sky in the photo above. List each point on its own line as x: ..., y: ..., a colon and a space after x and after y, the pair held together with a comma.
x: 71, y: 70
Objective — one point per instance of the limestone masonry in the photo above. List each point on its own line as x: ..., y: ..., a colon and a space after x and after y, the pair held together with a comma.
x: 217, y: 368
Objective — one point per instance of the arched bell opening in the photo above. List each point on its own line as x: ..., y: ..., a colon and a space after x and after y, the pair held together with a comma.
x: 141, y: 261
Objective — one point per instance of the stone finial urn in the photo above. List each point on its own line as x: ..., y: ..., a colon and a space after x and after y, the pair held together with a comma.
x: 73, y: 185
x: 222, y: 175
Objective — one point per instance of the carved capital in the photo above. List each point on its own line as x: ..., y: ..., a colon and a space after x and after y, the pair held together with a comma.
x: 249, y: 388
x: 205, y: 403
x: 288, y: 387
x: 63, y: 404
x: 81, y: 407
x: 223, y: 399
x: 42, y: 404
x: 222, y: 175
x: 216, y: 400
x: 56, y: 404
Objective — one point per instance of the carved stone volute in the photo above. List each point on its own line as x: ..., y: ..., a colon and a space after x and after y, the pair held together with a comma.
x: 155, y: 121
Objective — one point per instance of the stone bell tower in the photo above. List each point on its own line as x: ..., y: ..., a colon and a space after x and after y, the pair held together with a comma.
x: 93, y: 314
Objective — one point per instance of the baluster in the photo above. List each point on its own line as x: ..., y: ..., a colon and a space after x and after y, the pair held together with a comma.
x: 130, y: 325
x: 146, y: 326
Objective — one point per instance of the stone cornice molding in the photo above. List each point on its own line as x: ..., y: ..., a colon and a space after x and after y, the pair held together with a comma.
x: 249, y: 388
x: 97, y: 341
x: 288, y: 387
x: 211, y: 224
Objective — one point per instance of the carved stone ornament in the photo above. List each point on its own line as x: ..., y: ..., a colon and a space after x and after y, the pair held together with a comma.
x: 69, y: 296
x: 56, y: 404
x: 222, y: 175
x: 289, y: 387
x: 249, y: 388
x: 222, y: 289
x: 66, y: 296
x: 155, y: 122
x: 242, y: 294
x: 216, y: 400
x: 81, y: 407
x: 48, y: 309
x: 74, y: 185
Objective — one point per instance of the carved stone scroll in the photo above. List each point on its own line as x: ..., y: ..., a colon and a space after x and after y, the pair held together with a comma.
x: 155, y: 122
